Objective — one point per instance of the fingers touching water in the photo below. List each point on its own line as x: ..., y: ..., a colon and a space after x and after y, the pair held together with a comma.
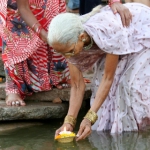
x: 84, y: 130
x: 67, y: 126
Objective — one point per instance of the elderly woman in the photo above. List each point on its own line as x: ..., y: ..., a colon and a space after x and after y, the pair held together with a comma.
x: 120, y: 98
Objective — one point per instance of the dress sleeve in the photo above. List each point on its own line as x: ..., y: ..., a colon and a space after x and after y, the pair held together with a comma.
x: 109, y: 34
x: 3, y: 13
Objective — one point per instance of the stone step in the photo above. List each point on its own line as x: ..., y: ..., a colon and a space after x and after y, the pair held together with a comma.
x: 39, y: 105
x: 63, y: 94
x: 33, y: 110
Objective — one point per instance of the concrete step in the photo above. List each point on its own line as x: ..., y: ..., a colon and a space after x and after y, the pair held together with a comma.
x: 64, y: 94
x: 39, y: 105
x: 33, y: 110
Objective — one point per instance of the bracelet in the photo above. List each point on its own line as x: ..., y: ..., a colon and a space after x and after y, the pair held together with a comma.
x: 91, y: 116
x: 71, y: 120
x: 112, y: 2
x: 38, y: 30
x: 34, y: 25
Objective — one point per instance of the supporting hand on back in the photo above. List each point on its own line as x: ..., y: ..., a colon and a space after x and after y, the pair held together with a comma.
x: 124, y: 12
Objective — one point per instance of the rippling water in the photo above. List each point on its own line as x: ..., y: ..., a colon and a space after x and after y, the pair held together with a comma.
x: 41, y: 137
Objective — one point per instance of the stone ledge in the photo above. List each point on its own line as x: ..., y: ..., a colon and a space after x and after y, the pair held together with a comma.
x: 64, y: 94
x: 2, y: 91
x: 33, y: 110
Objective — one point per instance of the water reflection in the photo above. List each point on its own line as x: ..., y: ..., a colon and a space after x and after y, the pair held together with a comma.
x: 82, y: 145
x: 41, y: 137
x: 125, y: 141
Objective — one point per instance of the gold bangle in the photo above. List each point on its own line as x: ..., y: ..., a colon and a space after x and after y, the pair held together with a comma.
x: 91, y: 116
x: 71, y: 120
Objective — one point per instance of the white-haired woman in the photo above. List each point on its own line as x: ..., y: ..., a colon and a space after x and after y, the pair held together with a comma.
x: 120, y: 98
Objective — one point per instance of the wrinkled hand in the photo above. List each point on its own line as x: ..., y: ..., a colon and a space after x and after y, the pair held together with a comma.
x: 124, y: 12
x: 85, y: 130
x: 68, y: 128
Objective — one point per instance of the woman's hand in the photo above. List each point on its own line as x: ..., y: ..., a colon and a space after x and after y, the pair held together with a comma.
x: 85, y: 130
x: 124, y: 12
x: 68, y: 128
x: 29, y: 18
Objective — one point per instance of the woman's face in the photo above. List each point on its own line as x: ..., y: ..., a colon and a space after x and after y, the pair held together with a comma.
x: 69, y: 50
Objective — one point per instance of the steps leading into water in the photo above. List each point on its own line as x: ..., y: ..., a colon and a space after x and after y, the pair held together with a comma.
x: 32, y: 111
x: 39, y: 105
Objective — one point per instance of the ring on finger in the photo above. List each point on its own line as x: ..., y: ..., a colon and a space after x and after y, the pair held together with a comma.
x: 64, y: 85
x: 13, y: 103
x: 17, y: 102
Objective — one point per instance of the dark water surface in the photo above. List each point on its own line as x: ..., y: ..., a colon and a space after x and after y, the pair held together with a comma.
x: 41, y: 137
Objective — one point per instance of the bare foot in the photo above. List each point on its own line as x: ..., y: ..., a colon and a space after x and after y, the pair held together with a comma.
x: 64, y: 85
x: 14, y: 100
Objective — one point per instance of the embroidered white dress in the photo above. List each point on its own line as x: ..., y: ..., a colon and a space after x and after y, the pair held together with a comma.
x: 127, y: 106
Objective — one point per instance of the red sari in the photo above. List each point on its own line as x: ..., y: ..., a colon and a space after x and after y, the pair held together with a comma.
x: 31, y: 65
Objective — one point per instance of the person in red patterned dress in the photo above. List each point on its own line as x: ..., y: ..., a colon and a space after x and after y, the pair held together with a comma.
x: 30, y: 64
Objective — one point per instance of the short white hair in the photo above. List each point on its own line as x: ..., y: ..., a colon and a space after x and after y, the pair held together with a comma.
x: 65, y: 28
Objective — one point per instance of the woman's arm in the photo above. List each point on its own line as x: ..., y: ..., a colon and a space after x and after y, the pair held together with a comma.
x: 102, y: 92
x: 106, y: 82
x: 29, y: 18
x: 77, y: 90
x: 76, y: 96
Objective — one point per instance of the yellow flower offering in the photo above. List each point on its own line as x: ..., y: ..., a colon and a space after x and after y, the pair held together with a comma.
x: 65, y: 136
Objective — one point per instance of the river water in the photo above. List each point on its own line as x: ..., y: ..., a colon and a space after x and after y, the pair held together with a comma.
x: 40, y: 136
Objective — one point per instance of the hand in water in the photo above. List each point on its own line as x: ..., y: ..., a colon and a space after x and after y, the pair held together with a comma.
x: 68, y: 128
x: 124, y: 12
x: 85, y: 130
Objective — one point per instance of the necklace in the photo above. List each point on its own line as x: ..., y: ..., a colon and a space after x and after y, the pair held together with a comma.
x: 88, y: 46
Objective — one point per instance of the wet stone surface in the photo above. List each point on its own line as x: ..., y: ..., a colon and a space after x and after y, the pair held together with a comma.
x: 33, y: 110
